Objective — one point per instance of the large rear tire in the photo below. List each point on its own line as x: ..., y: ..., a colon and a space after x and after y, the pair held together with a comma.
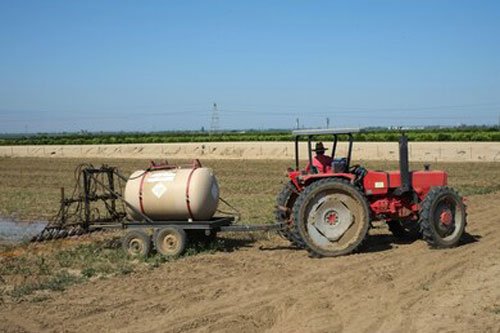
x: 285, y: 202
x: 442, y: 217
x: 332, y: 217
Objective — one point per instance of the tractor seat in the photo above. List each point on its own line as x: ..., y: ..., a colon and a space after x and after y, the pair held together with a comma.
x: 339, y: 165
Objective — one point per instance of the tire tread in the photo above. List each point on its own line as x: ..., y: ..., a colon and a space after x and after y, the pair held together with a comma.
x: 302, y: 198
x: 427, y: 231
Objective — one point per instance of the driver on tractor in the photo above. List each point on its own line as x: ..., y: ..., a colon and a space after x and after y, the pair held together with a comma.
x: 322, y: 162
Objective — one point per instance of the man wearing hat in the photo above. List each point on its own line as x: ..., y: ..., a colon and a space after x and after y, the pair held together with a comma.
x: 321, y: 161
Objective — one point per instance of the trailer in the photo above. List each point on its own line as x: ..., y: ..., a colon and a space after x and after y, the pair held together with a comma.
x: 97, y: 203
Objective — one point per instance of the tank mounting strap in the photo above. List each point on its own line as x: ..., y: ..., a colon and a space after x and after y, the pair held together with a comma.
x: 188, y: 202
x: 141, y: 190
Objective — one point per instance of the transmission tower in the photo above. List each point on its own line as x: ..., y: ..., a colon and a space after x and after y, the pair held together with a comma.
x: 214, y: 126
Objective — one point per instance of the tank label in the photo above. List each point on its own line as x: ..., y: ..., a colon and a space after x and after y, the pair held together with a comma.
x: 159, y: 190
x: 161, y: 177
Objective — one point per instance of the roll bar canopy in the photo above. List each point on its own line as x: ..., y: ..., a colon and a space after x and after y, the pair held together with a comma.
x: 311, y: 133
x: 325, y: 131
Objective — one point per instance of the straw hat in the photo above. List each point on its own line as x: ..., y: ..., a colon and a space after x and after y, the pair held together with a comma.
x: 319, y: 147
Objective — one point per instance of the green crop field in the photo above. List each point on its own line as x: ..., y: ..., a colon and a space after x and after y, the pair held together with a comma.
x: 449, y: 134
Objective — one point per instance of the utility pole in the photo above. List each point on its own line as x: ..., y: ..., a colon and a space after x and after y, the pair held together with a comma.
x: 327, y: 122
x: 214, y: 126
x: 297, y: 124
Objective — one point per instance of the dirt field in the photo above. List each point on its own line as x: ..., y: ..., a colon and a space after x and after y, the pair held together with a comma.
x: 260, y: 284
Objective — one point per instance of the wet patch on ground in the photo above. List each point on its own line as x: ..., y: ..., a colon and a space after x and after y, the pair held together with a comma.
x: 15, y: 232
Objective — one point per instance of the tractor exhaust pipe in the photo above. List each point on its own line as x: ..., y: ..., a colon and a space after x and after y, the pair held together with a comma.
x: 404, y: 167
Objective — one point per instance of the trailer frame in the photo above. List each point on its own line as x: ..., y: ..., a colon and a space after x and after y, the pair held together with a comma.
x: 99, y: 185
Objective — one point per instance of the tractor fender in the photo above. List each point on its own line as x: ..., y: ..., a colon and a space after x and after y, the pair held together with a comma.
x: 312, y: 178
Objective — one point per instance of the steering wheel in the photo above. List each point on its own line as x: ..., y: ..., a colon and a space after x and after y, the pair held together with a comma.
x: 354, y: 168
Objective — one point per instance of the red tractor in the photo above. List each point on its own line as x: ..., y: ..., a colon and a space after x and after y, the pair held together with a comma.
x: 329, y: 209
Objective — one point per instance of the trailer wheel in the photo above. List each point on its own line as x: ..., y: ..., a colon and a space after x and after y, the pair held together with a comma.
x: 332, y: 217
x: 170, y: 241
x: 442, y: 217
x: 137, y: 243
x: 285, y: 201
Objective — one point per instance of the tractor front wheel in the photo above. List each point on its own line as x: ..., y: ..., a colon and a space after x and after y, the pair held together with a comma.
x: 332, y: 217
x: 442, y: 217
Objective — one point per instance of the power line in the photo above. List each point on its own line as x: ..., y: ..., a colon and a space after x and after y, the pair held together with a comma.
x: 336, y: 110
x: 449, y: 112
x: 353, y: 112
x: 361, y: 108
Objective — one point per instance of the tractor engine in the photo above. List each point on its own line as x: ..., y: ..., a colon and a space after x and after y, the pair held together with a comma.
x: 381, y: 189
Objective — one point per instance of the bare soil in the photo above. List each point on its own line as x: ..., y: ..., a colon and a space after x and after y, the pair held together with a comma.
x: 263, y: 285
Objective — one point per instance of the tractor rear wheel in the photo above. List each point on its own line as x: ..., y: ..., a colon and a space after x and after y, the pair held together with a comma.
x: 332, y: 217
x: 285, y: 201
x: 442, y: 217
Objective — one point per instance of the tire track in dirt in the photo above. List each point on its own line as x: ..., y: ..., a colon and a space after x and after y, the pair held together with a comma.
x: 271, y: 288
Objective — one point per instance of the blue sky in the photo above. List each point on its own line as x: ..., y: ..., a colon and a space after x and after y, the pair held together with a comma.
x: 160, y: 65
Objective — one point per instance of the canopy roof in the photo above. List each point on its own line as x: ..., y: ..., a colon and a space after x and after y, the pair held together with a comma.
x: 324, y: 131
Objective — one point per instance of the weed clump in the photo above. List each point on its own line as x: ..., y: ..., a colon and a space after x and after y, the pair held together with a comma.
x: 58, y: 282
x: 28, y: 274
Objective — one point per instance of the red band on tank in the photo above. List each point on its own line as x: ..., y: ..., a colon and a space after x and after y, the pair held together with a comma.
x: 141, y: 204
x: 188, y: 204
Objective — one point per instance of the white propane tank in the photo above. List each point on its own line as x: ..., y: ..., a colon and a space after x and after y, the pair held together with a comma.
x: 172, y: 194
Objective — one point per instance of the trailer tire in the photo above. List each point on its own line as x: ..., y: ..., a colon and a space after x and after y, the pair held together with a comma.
x: 137, y: 243
x: 170, y: 241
